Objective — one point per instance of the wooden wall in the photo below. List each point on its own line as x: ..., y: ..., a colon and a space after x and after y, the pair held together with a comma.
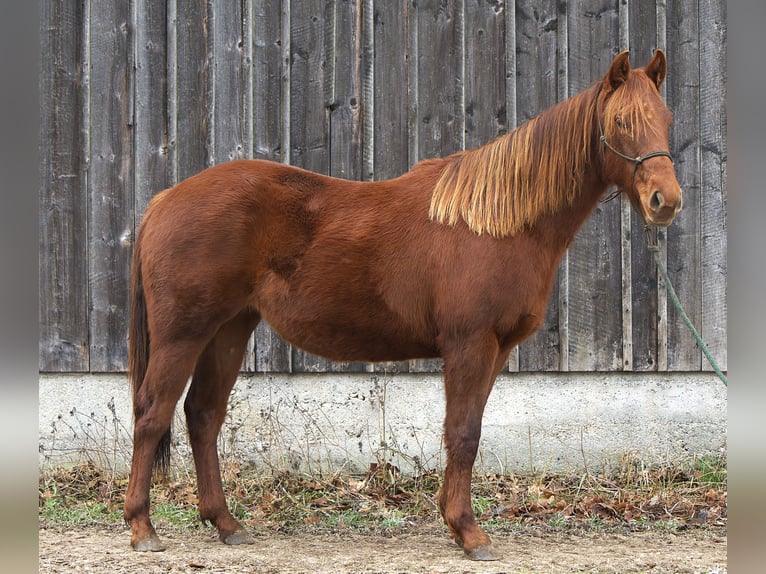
x: 138, y: 95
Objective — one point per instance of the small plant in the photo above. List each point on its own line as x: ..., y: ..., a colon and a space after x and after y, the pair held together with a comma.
x: 558, y: 521
x: 711, y: 470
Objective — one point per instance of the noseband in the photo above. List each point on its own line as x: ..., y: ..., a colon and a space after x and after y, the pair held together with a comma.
x: 638, y: 160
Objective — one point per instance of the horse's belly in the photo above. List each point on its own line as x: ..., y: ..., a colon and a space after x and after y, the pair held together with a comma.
x: 341, y: 324
x: 350, y: 341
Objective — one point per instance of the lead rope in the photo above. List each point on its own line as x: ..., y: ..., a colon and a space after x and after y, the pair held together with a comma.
x: 655, y: 249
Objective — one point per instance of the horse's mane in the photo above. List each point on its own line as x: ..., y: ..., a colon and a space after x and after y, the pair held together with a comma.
x: 506, y: 185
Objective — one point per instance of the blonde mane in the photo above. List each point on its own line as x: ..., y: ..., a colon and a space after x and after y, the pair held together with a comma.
x: 506, y: 185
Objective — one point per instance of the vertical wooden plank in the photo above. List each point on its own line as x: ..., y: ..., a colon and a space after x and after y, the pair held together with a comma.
x: 310, y: 70
x: 171, y: 77
x: 712, y: 18
x: 311, y: 27
x: 440, y: 119
x: 367, y: 80
x: 272, y: 353
x: 391, y: 79
x: 659, y: 235
x: 484, y: 105
x: 152, y: 166
x: 643, y: 30
x: 413, y: 82
x: 228, y: 81
x: 595, y: 317
x: 563, y: 271
x: 248, y: 105
x: 110, y: 183
x: 537, y: 30
x: 683, y: 243
x: 509, y: 51
x: 269, y: 41
x: 191, y: 127
x: 345, y: 100
x: 267, y: 72
x: 643, y: 271
x: 626, y: 247
x: 63, y: 301
x: 485, y: 109
x: 440, y: 64
x: 344, y: 32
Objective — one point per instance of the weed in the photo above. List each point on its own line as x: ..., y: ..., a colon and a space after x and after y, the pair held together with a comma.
x: 384, y: 500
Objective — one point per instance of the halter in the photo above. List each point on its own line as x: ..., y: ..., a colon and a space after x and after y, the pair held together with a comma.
x: 638, y: 160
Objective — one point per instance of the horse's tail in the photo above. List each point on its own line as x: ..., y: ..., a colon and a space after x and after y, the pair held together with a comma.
x: 138, y: 353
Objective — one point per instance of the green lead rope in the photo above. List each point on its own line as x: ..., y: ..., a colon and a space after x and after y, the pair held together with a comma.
x: 672, y: 292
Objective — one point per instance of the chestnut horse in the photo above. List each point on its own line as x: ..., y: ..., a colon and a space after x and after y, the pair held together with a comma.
x: 454, y: 259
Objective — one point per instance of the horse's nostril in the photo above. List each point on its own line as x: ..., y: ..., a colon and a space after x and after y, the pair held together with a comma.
x: 656, y: 201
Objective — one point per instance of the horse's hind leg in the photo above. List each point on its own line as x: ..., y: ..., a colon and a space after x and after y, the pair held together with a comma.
x: 167, y: 373
x: 205, y: 408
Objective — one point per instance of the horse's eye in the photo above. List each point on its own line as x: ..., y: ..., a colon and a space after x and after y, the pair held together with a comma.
x: 618, y: 121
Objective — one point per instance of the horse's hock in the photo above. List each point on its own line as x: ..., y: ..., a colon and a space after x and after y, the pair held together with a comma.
x: 311, y: 422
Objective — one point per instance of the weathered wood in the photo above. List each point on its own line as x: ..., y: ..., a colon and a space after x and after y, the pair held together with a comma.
x: 659, y: 235
x: 272, y: 353
x: 267, y: 70
x: 311, y: 88
x: 439, y: 109
x: 248, y: 135
x: 344, y: 49
x: 345, y: 102
x: 192, y: 98
x: 563, y: 271
x: 228, y: 82
x: 537, y: 29
x: 391, y: 83
x: 642, y: 315
x: 270, y: 109
x: 231, y: 84
x: 140, y: 95
x: 626, y: 211
x: 712, y: 18
x: 683, y: 237
x: 150, y: 144
x: 63, y: 301
x: 110, y: 182
x: 595, y: 317
x: 485, y: 77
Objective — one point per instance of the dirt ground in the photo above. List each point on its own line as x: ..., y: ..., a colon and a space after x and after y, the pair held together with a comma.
x: 425, y: 551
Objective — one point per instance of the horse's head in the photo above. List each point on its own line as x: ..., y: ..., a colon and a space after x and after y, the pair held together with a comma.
x: 634, y: 124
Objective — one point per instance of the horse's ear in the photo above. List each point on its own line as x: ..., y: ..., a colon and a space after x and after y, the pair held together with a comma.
x: 619, y: 70
x: 657, y: 68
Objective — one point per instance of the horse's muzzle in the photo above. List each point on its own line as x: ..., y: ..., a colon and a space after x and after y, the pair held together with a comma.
x: 663, y: 207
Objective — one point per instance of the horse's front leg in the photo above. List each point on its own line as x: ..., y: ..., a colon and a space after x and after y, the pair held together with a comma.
x: 469, y: 373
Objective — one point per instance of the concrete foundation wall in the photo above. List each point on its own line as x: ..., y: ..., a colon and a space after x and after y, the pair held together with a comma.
x: 325, y: 422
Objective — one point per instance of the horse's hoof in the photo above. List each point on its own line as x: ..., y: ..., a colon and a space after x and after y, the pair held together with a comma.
x: 149, y: 544
x: 237, y: 537
x: 482, y: 553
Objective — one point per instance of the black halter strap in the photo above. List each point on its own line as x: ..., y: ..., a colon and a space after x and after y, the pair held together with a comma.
x: 638, y: 160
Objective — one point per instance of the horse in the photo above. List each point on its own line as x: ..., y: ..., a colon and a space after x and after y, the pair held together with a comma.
x: 454, y: 259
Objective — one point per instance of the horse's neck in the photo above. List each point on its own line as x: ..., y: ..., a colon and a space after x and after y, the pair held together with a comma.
x: 558, y: 229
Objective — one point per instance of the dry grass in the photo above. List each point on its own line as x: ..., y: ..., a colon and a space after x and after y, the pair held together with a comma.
x: 385, y: 501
